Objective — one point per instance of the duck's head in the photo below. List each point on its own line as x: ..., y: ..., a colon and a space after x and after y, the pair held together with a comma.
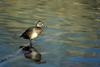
x: 39, y: 24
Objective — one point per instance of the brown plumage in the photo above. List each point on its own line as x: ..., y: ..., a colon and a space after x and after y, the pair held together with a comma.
x: 33, y: 32
x: 28, y: 33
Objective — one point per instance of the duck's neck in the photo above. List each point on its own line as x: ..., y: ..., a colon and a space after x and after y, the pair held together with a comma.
x: 38, y: 27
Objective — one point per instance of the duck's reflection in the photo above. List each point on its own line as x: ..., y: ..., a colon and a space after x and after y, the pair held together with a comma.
x: 28, y: 52
x: 31, y: 53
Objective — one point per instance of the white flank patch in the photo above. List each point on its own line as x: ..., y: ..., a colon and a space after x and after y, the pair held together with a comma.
x: 34, y: 35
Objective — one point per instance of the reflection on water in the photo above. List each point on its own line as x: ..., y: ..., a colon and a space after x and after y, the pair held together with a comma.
x: 72, y: 36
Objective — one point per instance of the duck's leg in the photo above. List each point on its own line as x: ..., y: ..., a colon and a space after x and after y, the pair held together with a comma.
x: 30, y: 43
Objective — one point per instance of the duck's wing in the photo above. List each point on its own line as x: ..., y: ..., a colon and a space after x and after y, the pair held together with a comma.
x: 24, y: 35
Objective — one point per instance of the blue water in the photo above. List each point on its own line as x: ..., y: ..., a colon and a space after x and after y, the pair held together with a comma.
x: 71, y: 37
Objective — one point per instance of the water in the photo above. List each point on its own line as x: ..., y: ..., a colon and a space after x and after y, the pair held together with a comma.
x: 10, y: 58
x: 72, y: 36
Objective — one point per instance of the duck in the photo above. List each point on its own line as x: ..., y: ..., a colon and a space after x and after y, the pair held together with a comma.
x: 31, y: 53
x: 33, y: 32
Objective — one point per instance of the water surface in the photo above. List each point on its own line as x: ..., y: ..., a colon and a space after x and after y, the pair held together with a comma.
x: 72, y: 36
